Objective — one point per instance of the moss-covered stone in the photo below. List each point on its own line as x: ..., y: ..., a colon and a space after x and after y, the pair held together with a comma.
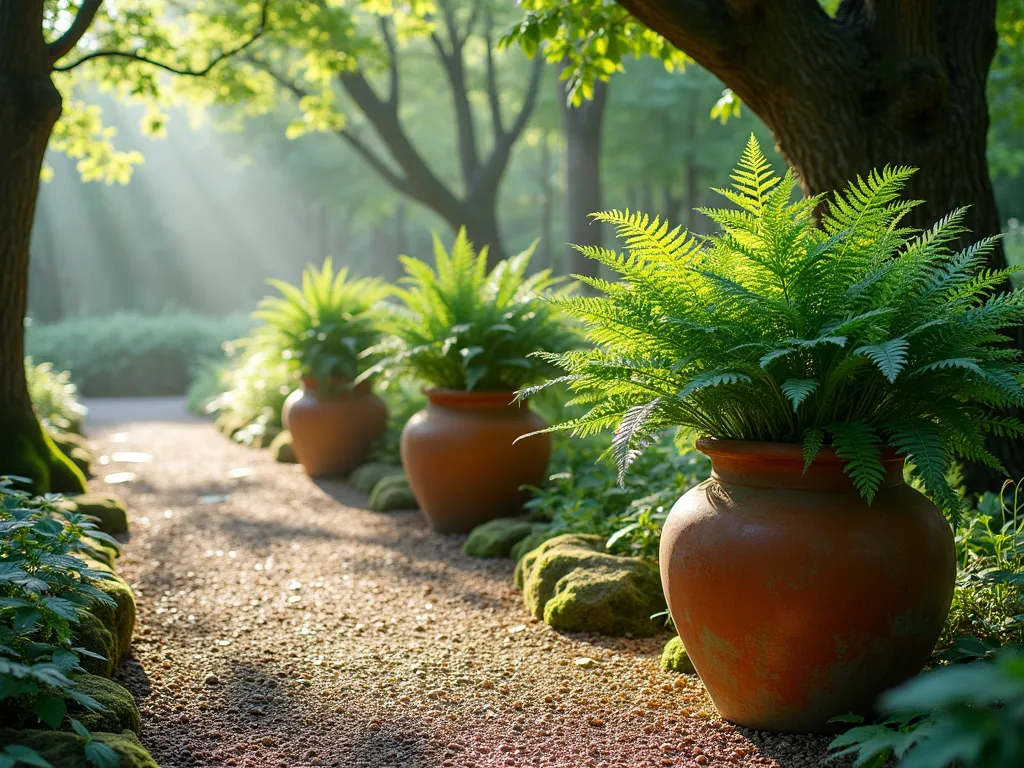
x: 28, y: 451
x: 281, y: 448
x: 120, y: 714
x: 75, y: 447
x: 105, y: 629
x: 572, y: 584
x: 539, y: 535
x: 496, y: 538
x: 393, y: 492
x: 67, y: 750
x: 675, y: 658
x: 93, y: 636
x: 365, y: 478
x: 106, y: 507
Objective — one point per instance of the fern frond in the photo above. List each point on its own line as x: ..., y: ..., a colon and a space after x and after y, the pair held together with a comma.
x: 858, y: 444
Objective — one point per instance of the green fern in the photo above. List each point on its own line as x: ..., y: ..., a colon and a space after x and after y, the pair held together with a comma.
x: 461, y: 327
x: 782, y: 329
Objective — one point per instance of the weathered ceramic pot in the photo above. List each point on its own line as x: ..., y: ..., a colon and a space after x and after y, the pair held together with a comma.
x: 332, y: 432
x: 462, y: 461
x: 796, y: 600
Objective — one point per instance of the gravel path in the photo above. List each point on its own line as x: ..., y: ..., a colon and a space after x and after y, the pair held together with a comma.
x: 282, y: 624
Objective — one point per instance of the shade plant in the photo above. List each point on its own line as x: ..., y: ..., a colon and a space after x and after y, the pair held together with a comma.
x: 814, y: 346
x: 854, y: 332
x: 325, y: 325
x: 469, y: 333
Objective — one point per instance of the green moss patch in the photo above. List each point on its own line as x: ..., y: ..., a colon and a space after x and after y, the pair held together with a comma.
x: 393, y: 492
x: 93, y: 636
x: 120, y: 714
x: 28, y: 451
x: 67, y: 750
x: 496, y: 538
x: 106, y: 507
x: 529, y: 543
x: 572, y: 584
x: 366, y: 477
x: 675, y: 658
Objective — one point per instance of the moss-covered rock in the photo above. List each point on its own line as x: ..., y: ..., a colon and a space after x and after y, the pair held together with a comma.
x: 106, y: 507
x: 120, y: 714
x: 572, y: 584
x: 393, y: 492
x: 105, y: 629
x: 28, y: 451
x: 67, y: 750
x: 76, y: 448
x: 496, y: 538
x: 539, y: 535
x: 675, y: 658
x: 281, y: 448
x: 365, y: 478
x: 91, y: 634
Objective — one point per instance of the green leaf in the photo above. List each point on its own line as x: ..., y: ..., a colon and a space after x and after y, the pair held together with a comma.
x: 50, y: 709
x: 27, y: 756
x: 80, y: 729
x: 890, y: 357
x: 813, y: 440
x: 858, y: 444
x: 101, y: 756
x: 797, y: 390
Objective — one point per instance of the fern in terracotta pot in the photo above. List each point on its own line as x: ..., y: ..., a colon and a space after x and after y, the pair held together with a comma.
x: 469, y: 335
x: 324, y: 328
x: 812, y: 360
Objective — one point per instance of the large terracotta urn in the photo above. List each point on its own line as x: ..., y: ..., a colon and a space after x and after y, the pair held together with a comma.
x: 797, y: 600
x: 333, y: 430
x: 462, y: 459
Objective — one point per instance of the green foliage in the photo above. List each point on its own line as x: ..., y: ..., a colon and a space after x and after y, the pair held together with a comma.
x: 46, y: 585
x: 254, y: 384
x: 969, y: 716
x: 53, y: 395
x: 325, y: 326
x: 988, y: 602
x: 780, y: 330
x: 584, y: 495
x: 462, y: 327
x: 128, y: 354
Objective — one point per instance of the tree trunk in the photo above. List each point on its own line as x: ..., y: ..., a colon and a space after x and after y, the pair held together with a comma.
x: 46, y: 300
x: 881, y: 83
x: 547, y: 204
x: 583, y: 128
x: 29, y: 107
x: 481, y: 222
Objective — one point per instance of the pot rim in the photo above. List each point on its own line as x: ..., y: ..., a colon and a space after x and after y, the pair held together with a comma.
x: 344, y: 385
x: 757, y: 450
x: 497, y: 398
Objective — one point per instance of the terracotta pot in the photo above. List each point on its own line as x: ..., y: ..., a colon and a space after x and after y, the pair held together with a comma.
x: 333, y: 433
x: 796, y: 600
x: 463, y: 463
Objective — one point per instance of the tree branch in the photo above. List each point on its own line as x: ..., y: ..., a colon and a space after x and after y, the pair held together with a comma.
x: 66, y: 43
x: 469, y: 157
x: 136, y: 56
x: 529, y: 101
x: 393, y: 78
x: 493, y: 94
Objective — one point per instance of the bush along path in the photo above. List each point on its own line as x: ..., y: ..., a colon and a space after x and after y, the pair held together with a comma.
x: 281, y: 623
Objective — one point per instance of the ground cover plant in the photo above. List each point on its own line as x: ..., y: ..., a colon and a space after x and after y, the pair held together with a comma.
x: 45, y: 585
x: 777, y: 329
x: 54, y: 396
x: 460, y: 326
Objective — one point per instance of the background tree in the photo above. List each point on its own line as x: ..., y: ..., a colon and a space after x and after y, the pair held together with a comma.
x: 843, y: 87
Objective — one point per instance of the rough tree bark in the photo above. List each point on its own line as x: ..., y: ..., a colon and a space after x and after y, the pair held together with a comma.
x: 29, y: 107
x: 583, y: 128
x: 884, y: 82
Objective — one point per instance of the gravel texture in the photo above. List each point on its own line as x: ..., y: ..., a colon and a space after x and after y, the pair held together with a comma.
x: 282, y: 624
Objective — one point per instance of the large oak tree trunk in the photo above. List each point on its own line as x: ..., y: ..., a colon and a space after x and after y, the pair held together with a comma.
x: 583, y: 127
x: 29, y: 107
x: 884, y: 82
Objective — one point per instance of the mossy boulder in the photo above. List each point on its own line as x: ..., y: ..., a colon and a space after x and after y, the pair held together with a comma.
x: 120, y: 714
x: 496, y: 538
x: 107, y: 629
x: 393, y: 492
x: 106, y: 507
x: 365, y: 478
x: 538, y: 536
x: 91, y: 634
x: 281, y: 448
x: 67, y: 750
x: 675, y: 658
x: 572, y: 584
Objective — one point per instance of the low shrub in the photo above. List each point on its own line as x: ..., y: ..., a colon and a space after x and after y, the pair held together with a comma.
x: 46, y: 586
x: 130, y: 354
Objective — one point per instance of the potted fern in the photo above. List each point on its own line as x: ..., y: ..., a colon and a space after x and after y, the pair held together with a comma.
x: 812, y: 361
x: 323, y: 328
x: 467, y: 334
